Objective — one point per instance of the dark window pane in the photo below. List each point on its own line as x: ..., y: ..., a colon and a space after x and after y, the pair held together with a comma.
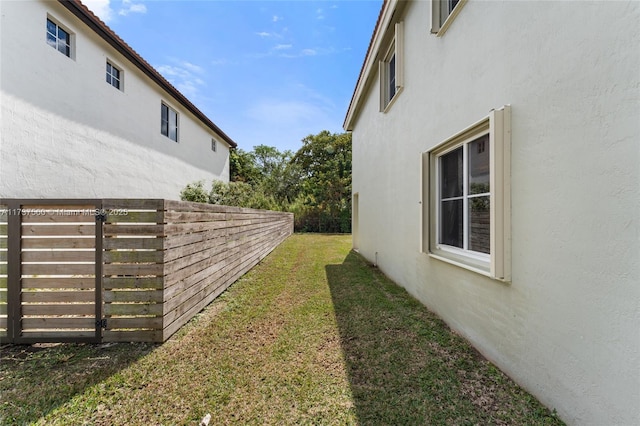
x: 479, y: 224
x: 51, y: 27
x: 451, y: 174
x: 479, y: 166
x: 116, y: 73
x: 452, y: 5
x: 108, y: 78
x: 108, y: 68
x: 451, y: 223
x: 164, y: 126
x: 392, y: 77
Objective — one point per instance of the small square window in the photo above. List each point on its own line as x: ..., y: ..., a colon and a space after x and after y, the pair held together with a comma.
x: 58, y: 38
x: 169, y: 122
x: 114, y: 75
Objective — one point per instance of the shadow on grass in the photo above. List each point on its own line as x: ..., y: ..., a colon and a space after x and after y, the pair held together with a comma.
x: 406, y: 367
x: 35, y: 379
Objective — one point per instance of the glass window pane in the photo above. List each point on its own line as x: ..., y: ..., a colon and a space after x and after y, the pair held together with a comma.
x: 164, y: 120
x: 479, y: 166
x: 392, y: 77
x: 451, y: 223
x: 108, y: 78
x: 52, y: 41
x: 173, y: 125
x: 479, y: 224
x: 451, y: 174
x: 51, y: 27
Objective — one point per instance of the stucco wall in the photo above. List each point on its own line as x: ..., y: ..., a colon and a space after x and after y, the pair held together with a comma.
x: 567, y: 326
x: 67, y: 133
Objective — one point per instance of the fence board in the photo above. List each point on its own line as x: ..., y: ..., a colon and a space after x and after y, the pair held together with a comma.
x: 60, y: 217
x: 132, y: 309
x: 132, y: 269
x: 58, y: 297
x: 3, y: 242
x: 132, y: 282
x: 148, y: 296
x: 152, y: 230
x: 57, y: 269
x: 138, y: 217
x: 150, y: 336
x: 40, y: 282
x: 132, y: 256
x: 149, y: 243
x: 67, y: 230
x: 60, y: 309
x: 58, y: 243
x: 59, y: 256
x: 52, y: 322
x: 133, y: 204
x: 141, y: 322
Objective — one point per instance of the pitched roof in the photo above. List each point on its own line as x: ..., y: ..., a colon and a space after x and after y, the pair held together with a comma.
x: 102, y: 30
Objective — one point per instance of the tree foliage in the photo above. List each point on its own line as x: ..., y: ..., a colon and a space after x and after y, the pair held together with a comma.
x: 314, y: 183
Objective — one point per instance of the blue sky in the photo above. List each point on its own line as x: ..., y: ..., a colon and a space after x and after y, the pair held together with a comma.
x: 266, y: 72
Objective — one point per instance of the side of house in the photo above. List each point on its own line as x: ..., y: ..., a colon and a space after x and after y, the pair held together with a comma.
x: 84, y: 116
x: 496, y: 176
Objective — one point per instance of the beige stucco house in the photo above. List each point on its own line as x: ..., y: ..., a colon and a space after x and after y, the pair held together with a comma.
x: 84, y: 116
x: 496, y: 176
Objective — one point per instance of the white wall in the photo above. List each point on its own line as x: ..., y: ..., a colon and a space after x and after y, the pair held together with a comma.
x: 568, y: 326
x: 67, y: 133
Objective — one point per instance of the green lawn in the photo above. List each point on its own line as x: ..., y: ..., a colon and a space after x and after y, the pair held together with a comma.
x: 312, y: 335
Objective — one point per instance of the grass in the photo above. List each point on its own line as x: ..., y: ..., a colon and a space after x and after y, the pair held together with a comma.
x: 312, y: 335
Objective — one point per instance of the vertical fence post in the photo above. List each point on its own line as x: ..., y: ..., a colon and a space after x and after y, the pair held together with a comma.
x: 14, y: 312
x: 99, y: 217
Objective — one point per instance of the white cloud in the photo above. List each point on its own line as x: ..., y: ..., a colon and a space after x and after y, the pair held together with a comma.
x: 105, y: 9
x: 101, y: 8
x: 185, y: 76
x: 264, y: 34
x: 309, y: 52
x: 283, y: 47
x: 320, y: 14
x: 129, y: 7
x: 276, y: 18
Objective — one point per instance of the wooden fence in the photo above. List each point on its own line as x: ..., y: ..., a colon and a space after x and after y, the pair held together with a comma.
x: 119, y: 270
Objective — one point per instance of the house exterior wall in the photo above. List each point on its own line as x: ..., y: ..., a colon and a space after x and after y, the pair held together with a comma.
x: 567, y: 325
x: 66, y: 132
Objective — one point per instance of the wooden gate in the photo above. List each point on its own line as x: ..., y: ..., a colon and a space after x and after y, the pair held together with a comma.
x: 50, y: 271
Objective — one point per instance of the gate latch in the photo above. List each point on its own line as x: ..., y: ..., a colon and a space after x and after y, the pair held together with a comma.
x: 102, y: 323
x: 101, y: 215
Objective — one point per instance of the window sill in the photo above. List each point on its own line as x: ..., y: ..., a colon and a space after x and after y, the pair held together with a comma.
x: 392, y: 101
x: 439, y: 32
x: 469, y: 264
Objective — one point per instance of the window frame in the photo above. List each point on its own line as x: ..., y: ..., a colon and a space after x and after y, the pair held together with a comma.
x: 392, y: 58
x: 119, y: 78
x: 442, y: 14
x: 214, y: 145
x: 496, y: 264
x: 69, y: 51
x: 170, y: 110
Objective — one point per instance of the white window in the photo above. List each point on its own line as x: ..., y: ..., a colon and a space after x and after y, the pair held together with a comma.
x: 58, y: 38
x: 214, y: 145
x: 169, y: 122
x: 114, y: 75
x: 468, y: 191
x: 443, y: 12
x: 391, y: 70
